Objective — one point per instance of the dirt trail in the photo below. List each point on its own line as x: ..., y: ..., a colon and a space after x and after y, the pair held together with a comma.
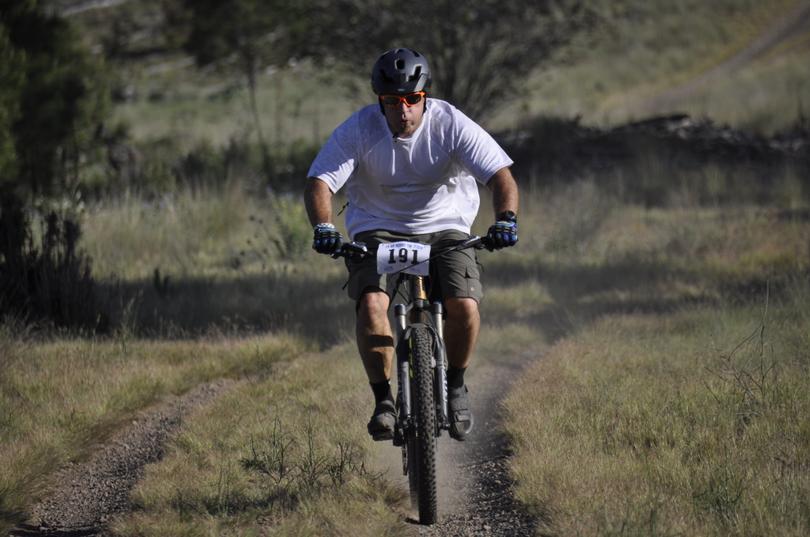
x: 475, y: 491
x: 85, y: 495
x: 794, y: 23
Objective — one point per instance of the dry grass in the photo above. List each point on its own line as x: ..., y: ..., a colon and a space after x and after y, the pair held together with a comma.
x: 61, y: 398
x: 642, y: 421
x: 686, y: 423
x: 584, y: 258
x: 289, y: 452
x: 223, y: 231
x: 215, y: 108
x: 222, y: 259
x: 768, y: 95
x: 672, y: 403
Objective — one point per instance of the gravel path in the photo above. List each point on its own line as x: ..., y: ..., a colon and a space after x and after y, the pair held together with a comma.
x: 475, y: 489
x: 88, y: 493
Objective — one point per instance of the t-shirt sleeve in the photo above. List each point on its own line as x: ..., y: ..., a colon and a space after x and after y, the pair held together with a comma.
x: 337, y: 159
x: 476, y: 149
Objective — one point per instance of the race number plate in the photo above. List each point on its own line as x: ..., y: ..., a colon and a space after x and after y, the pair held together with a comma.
x: 407, y: 257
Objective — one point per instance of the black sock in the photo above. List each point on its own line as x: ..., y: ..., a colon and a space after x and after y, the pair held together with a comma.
x: 382, y: 391
x: 455, y: 377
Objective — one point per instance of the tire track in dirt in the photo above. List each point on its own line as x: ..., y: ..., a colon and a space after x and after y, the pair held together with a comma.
x: 87, y: 494
x: 475, y: 488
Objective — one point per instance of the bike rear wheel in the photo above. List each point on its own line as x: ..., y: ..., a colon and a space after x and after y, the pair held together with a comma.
x: 421, y: 442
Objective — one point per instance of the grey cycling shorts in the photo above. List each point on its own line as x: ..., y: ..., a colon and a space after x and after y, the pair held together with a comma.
x: 453, y: 275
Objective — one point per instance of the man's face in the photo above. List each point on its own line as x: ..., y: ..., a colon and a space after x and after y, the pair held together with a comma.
x: 403, y: 112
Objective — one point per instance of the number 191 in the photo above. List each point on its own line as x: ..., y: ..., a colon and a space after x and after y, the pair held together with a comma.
x: 402, y: 256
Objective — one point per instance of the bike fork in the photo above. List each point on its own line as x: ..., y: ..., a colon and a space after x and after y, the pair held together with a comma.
x: 440, y: 388
x: 403, y: 374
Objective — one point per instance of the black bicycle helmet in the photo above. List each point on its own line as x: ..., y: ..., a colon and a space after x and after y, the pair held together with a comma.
x: 400, y: 71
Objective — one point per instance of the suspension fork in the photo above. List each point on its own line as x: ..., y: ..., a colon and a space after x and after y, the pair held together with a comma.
x: 440, y: 388
x: 403, y: 365
x: 418, y: 314
x: 418, y: 301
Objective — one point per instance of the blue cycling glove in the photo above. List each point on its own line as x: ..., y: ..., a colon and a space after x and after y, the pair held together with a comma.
x: 327, y: 239
x: 503, y: 233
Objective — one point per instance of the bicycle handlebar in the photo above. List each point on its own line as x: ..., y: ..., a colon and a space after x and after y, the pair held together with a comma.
x: 359, y: 250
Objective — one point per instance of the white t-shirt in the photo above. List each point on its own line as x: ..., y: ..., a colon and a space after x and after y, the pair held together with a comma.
x: 420, y: 184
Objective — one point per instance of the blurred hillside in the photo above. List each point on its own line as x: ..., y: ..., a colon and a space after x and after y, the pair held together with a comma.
x: 737, y: 61
x: 740, y: 63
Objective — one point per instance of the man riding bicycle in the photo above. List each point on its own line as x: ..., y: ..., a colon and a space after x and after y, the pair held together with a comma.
x: 410, y: 166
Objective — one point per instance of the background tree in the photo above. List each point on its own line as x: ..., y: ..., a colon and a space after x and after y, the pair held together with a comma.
x: 481, y: 53
x: 52, y: 103
x: 60, y: 102
x: 12, y: 75
x: 248, y: 35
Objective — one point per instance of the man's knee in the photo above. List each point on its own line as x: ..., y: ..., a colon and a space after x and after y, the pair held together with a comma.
x: 462, y: 309
x: 373, y: 303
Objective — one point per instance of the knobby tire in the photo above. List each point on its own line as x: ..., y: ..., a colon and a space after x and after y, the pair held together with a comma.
x: 422, y: 441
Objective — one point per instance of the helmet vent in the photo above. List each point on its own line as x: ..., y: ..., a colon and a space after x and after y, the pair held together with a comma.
x: 399, y: 64
x: 417, y: 72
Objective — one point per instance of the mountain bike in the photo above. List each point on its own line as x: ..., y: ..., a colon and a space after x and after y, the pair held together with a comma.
x: 421, y: 358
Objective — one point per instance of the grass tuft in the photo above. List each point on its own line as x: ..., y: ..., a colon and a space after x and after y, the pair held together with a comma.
x: 288, y: 452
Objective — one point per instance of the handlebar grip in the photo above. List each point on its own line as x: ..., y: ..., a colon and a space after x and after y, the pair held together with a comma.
x: 352, y: 249
x: 476, y: 242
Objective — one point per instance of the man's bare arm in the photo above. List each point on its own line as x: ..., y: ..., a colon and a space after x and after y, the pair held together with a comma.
x: 504, y: 192
x: 318, y: 200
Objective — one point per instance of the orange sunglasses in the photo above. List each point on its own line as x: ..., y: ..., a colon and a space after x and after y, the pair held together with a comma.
x: 409, y: 99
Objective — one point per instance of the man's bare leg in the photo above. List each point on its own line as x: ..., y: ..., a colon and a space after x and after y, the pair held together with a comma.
x: 461, y: 330
x: 374, y: 339
x: 376, y: 345
x: 460, y: 335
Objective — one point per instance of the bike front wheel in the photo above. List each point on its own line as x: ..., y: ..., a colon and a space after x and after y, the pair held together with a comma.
x: 421, y: 442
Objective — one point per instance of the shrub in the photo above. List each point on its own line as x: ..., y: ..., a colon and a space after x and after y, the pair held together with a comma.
x: 45, y: 279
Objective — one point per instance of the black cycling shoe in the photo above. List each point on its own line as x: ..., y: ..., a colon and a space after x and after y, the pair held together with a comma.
x: 461, y: 419
x: 383, y: 421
